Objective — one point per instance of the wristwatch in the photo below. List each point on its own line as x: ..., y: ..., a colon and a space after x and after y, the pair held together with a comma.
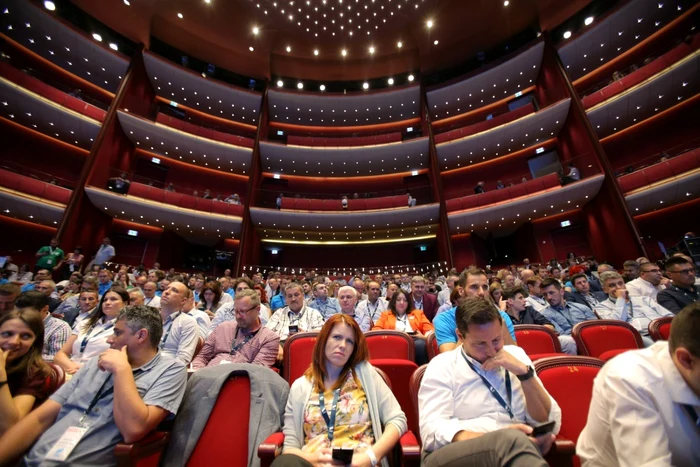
x: 530, y: 373
x: 372, y: 457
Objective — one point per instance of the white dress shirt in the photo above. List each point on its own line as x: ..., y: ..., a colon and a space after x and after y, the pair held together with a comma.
x: 639, y: 312
x: 180, y: 337
x: 444, y: 296
x: 203, y: 321
x: 640, y: 288
x: 154, y: 302
x: 538, y: 304
x: 374, y: 310
x: 637, y: 415
x: 452, y: 398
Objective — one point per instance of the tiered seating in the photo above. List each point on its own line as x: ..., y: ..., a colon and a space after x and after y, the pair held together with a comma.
x: 185, y: 201
x: 316, y: 141
x: 34, y: 187
x: 362, y: 204
x: 497, y: 196
x: 485, y: 125
x: 673, y: 167
x: 49, y: 92
x: 203, y: 132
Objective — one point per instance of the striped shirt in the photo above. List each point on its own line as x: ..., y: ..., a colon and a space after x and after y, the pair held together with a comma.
x: 56, y: 333
x: 228, y: 344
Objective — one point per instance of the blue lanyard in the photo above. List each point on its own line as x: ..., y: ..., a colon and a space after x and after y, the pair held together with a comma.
x: 493, y: 391
x: 165, y: 337
x: 330, y: 421
x: 87, y: 337
x: 236, y: 347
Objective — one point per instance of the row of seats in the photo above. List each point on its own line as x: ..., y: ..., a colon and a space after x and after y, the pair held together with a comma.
x: 34, y: 187
x: 316, y: 141
x: 529, y: 187
x: 185, y: 201
x: 673, y: 167
x: 37, y: 86
x: 361, y: 204
x: 641, y: 74
x: 485, y: 125
x: 207, y: 133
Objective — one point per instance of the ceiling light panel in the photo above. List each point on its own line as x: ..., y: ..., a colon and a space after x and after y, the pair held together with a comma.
x: 362, y: 108
x: 497, y: 83
x: 364, y: 161
x: 182, y: 86
x: 184, y: 147
x: 40, y: 114
x: 511, y: 137
x: 627, y: 27
x: 665, y: 90
x: 75, y: 52
x: 341, y: 235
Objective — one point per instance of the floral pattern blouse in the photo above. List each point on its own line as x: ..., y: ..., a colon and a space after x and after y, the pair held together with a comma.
x: 353, y: 426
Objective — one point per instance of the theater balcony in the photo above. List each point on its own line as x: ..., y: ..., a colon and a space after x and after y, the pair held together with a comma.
x: 38, y: 39
x: 185, y: 95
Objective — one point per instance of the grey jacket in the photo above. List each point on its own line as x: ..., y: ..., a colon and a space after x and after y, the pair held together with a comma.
x: 268, y: 396
x: 383, y: 407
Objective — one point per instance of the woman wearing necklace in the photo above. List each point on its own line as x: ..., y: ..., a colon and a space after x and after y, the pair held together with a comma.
x: 89, y: 338
x: 401, y: 316
x: 340, y: 405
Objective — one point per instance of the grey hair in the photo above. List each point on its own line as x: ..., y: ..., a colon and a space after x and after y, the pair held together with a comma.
x: 139, y: 317
x: 251, y: 294
x: 609, y: 275
x: 52, y: 284
x: 137, y: 291
x: 347, y: 287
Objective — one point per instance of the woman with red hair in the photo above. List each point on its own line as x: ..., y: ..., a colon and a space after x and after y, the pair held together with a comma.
x: 341, y: 411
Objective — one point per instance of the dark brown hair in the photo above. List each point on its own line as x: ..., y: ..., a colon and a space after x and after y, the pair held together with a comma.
x: 97, y: 314
x: 30, y: 364
x: 392, y: 303
x: 215, y: 288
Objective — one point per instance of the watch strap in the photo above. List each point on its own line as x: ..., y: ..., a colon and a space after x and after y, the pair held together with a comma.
x: 530, y: 373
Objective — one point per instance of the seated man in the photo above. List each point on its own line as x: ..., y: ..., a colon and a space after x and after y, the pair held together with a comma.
x: 682, y: 291
x: 48, y: 288
x: 477, y: 402
x: 637, y: 311
x: 41, y: 275
x: 56, y: 331
x: 120, y: 396
x: 180, y: 330
x: 534, y: 290
x: 582, y: 292
x: 105, y: 281
x: 202, y: 318
x: 244, y: 340
x: 375, y: 305
x: 328, y: 306
x: 347, y: 296
x: 295, y: 317
x: 136, y: 296
x: 561, y: 313
x: 648, y: 284
x: 87, y: 301
x: 472, y: 283
x: 520, y: 313
x: 645, y: 403
x: 150, y: 297
x: 8, y: 295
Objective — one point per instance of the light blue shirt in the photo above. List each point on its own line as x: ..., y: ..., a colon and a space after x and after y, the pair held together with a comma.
x: 445, y: 326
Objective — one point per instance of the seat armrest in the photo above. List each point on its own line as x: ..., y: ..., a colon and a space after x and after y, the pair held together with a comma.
x: 148, y: 449
x: 410, y: 450
x: 562, y: 453
x: 270, y: 448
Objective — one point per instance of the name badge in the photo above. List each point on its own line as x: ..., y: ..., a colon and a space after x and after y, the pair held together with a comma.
x: 224, y: 362
x: 293, y: 328
x: 49, y: 262
x: 65, y: 445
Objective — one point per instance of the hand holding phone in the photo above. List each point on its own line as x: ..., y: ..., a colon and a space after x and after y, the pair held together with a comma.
x: 343, y: 455
x: 542, y: 429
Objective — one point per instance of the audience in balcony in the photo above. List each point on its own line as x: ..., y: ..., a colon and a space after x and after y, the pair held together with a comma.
x: 500, y: 185
x: 170, y: 188
x: 278, y: 202
x: 207, y: 194
x: 119, y: 184
x: 479, y: 188
x: 411, y: 201
x: 344, y: 202
x: 233, y: 199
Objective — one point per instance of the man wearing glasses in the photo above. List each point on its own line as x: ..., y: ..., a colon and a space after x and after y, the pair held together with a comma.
x: 648, y: 284
x: 682, y: 291
x: 244, y: 340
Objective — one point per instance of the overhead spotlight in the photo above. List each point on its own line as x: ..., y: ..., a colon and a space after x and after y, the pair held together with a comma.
x: 280, y: 83
x: 411, y: 78
x: 289, y: 49
x: 300, y: 85
x: 371, y: 49
x: 315, y: 51
x: 207, y: 1
x: 113, y: 46
x: 179, y: 15
x: 506, y: 3
x: 588, y: 21
x: 365, y: 86
x: 567, y: 34
x: 251, y: 48
x: 256, y: 30
x: 322, y: 87
x: 429, y: 23
x: 390, y: 81
x: 51, y: 6
x: 436, y: 42
x: 97, y: 37
x: 127, y: 3
x: 344, y: 53
x: 400, y: 44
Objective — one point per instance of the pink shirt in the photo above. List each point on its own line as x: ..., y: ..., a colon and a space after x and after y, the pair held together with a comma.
x: 261, y: 349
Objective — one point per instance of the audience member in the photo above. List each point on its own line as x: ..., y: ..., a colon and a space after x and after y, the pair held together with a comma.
x: 296, y: 316
x: 368, y: 419
x: 680, y: 293
x: 149, y: 295
x: 278, y: 202
x: 56, y: 331
x: 180, y: 330
x: 24, y: 376
x: 48, y: 288
x: 645, y: 404
x: 327, y: 306
x: 49, y: 257
x: 479, y: 188
x: 422, y: 300
x: 478, y: 402
x: 8, y: 295
x: 233, y: 199
x: 373, y: 305
x: 582, y: 292
x: 87, y: 301
x: 120, y: 396
x: 207, y: 194
x: 210, y: 298
x: 500, y: 185
x: 496, y: 293
x: 344, y: 202
x: 243, y: 340
x: 620, y: 305
x: 105, y: 281
x: 137, y: 297
x: 347, y: 298
x: 631, y: 268
x: 104, y: 254
x: 202, y: 318
x: 41, y: 275
x: 648, y: 284
x: 444, y: 295
x: 561, y: 313
x: 574, y: 173
x: 73, y: 262
x: 534, y: 294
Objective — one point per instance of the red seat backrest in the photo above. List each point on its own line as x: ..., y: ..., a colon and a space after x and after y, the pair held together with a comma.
x: 431, y: 345
x: 390, y: 344
x: 569, y: 380
x: 234, y: 398
x: 298, y: 353
x: 660, y: 328
x: 593, y: 338
x: 188, y: 201
x: 534, y: 339
x: 138, y: 189
x: 454, y: 204
x: 631, y: 182
x: 414, y: 387
x: 9, y: 179
x: 400, y: 372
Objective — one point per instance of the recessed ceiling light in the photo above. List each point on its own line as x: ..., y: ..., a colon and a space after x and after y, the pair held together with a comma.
x: 436, y: 42
x: 390, y: 81
x: 411, y: 78
x: 365, y: 85
x: 207, y: 1
x: 429, y: 23
x: 127, y: 3
x: 300, y: 85
x: 179, y: 15
x: 400, y: 44
x: 251, y: 48
x: 506, y: 3
x: 289, y: 48
x: 344, y: 53
x: 588, y: 21
x: 322, y: 87
x: 51, y: 6
x: 567, y: 34
x: 256, y: 30
x: 371, y: 49
x: 315, y: 51
x: 97, y: 37
x: 280, y: 83
x: 113, y: 46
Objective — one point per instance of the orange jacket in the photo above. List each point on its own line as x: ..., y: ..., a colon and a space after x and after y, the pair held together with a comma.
x: 416, y: 318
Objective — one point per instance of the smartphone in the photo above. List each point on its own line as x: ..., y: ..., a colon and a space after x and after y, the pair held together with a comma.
x: 542, y: 429
x: 293, y: 328
x: 343, y: 455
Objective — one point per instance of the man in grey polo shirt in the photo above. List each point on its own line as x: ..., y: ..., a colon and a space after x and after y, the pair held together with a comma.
x: 180, y: 330
x: 120, y: 396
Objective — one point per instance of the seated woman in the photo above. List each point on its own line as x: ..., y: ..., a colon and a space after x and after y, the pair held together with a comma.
x: 210, y: 298
x: 265, y: 312
x: 341, y: 402
x: 397, y: 317
x: 89, y: 338
x: 496, y: 291
x: 24, y: 376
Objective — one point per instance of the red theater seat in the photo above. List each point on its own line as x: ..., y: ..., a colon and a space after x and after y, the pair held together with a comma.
x: 385, y: 344
x: 173, y: 198
x: 219, y: 207
x: 298, y: 353
x: 357, y: 204
x: 188, y: 202
x: 204, y: 204
x: 685, y: 162
x: 633, y: 181
x: 332, y: 205
x: 470, y: 202
x: 660, y: 329
x: 400, y: 371
x: 58, y: 194
x: 288, y: 203
x: 316, y: 204
x: 604, y: 338
x: 374, y: 203
x: 432, y: 346
x: 534, y: 339
x: 138, y: 189
x: 550, y: 181
x: 304, y: 204
x: 234, y: 209
x: 658, y: 172
x: 400, y: 201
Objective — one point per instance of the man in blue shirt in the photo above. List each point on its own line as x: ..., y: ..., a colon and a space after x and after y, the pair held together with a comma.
x: 105, y: 281
x: 41, y: 275
x: 472, y: 283
x: 562, y: 314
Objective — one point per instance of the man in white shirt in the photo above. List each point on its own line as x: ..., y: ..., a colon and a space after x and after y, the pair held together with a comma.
x: 645, y: 405
x: 150, y: 297
x: 375, y: 305
x: 180, y: 330
x: 620, y: 305
x: 648, y: 284
x: 105, y: 253
x: 202, y: 318
x: 479, y: 401
x: 347, y: 297
x: 295, y: 317
x: 444, y: 295
x: 534, y: 290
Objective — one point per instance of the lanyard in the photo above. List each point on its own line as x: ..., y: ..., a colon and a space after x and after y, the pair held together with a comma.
x: 165, y: 337
x: 330, y: 421
x: 493, y: 391
x: 87, y: 337
x: 376, y: 306
x: 693, y: 414
x: 236, y: 347
x: 100, y: 394
x: 298, y: 319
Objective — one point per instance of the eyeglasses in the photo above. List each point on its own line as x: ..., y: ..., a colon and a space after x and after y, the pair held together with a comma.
x: 655, y: 271
x: 245, y: 312
x: 685, y: 272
